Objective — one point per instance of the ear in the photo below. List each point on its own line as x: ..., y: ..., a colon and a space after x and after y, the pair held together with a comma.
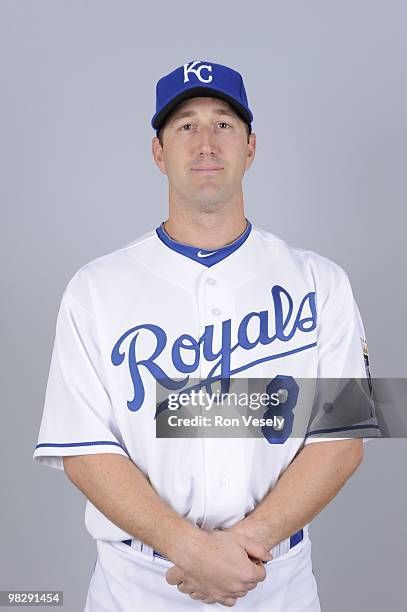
x: 158, y: 154
x: 251, y: 150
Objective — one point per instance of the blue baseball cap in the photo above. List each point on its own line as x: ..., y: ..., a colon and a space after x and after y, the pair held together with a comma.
x: 199, y: 78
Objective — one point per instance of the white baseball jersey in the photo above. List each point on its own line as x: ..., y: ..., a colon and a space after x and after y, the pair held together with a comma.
x: 157, y: 308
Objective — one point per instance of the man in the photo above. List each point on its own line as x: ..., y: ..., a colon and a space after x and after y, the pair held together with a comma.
x: 182, y: 522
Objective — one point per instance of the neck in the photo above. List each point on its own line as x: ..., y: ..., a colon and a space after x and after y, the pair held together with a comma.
x: 206, y: 229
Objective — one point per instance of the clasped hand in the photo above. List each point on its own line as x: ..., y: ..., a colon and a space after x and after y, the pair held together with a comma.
x: 220, y: 567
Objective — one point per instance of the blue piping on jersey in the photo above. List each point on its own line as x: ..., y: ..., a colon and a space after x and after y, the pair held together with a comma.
x: 332, y: 429
x: 206, y: 257
x: 98, y: 443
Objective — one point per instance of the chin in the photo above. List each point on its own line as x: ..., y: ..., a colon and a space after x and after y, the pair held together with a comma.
x: 208, y: 203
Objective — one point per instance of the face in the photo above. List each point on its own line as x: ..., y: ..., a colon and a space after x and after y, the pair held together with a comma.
x: 205, y: 151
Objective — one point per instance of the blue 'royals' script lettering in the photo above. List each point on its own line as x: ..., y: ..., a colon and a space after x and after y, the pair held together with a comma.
x: 287, y: 324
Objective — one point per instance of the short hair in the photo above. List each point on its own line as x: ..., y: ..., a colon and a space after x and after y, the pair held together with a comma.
x: 159, y: 131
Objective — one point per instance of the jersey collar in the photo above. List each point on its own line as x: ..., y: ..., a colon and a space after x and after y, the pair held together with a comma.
x: 205, y: 257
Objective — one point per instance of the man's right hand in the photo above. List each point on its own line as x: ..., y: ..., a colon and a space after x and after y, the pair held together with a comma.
x: 216, y: 565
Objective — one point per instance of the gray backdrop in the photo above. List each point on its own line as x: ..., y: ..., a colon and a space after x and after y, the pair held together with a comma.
x: 327, y: 84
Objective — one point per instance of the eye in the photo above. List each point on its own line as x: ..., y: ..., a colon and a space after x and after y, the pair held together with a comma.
x: 224, y: 123
x: 182, y: 126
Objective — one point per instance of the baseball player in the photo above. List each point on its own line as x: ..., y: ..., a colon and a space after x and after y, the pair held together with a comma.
x: 184, y: 522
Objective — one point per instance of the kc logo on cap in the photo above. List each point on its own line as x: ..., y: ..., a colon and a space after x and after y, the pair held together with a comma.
x: 200, y: 78
x: 190, y: 67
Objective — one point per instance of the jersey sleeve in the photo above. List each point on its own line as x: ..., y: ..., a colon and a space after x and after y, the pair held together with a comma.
x: 78, y: 416
x: 343, y: 372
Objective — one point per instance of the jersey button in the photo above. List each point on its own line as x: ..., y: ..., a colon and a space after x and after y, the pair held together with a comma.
x: 216, y: 311
x: 211, y: 281
x: 282, y: 396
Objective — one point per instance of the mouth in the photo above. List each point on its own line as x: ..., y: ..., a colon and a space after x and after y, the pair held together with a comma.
x: 210, y: 170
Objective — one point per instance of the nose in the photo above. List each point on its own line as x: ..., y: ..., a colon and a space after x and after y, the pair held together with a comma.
x: 206, y: 143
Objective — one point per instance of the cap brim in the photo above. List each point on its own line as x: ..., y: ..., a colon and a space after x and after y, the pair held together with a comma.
x: 194, y: 92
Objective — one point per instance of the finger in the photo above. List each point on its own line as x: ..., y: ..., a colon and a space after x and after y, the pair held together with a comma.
x: 237, y: 594
x: 174, y: 575
x: 256, y: 549
x: 251, y: 579
x: 255, y: 561
x: 259, y: 573
x: 229, y: 594
x: 184, y: 589
x: 196, y: 595
x: 227, y: 601
x: 249, y: 586
x: 189, y: 587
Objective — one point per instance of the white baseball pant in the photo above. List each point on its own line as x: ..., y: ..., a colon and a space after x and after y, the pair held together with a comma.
x: 127, y: 580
